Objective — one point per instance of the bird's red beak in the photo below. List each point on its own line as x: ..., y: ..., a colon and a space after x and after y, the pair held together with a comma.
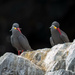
x: 19, y: 30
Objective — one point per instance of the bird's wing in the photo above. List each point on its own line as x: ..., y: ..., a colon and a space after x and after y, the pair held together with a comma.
x: 64, y: 37
x: 51, y: 41
x: 12, y: 40
x: 24, y: 42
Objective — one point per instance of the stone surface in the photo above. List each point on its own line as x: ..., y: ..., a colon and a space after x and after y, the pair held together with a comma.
x: 37, y: 57
x: 58, y: 60
x: 70, y: 60
x: 11, y: 64
x: 49, y: 59
x: 57, y: 53
x: 60, y: 72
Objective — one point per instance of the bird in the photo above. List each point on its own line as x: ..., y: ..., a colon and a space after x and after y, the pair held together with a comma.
x: 57, y: 35
x: 18, y: 40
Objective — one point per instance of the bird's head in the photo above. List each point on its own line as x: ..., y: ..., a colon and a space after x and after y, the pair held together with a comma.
x: 15, y: 26
x: 54, y: 25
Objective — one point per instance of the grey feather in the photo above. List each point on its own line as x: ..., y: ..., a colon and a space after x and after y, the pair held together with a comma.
x: 24, y: 42
x: 18, y: 40
x: 64, y: 36
x: 56, y: 36
x: 51, y: 41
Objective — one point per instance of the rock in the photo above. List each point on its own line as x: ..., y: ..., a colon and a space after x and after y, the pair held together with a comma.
x: 57, y: 54
x: 54, y: 58
x: 70, y: 60
x: 58, y: 65
x: 60, y: 72
x: 11, y: 64
x: 37, y: 57
x: 58, y: 60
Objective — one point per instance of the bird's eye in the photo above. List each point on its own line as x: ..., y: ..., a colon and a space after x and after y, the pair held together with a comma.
x: 14, y: 26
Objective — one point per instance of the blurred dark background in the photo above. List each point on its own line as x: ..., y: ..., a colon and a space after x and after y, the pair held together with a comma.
x: 35, y: 18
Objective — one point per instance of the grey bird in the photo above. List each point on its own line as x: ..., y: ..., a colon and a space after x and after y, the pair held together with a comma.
x: 57, y: 35
x: 18, y: 40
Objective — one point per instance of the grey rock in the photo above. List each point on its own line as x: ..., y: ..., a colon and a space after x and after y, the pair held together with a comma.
x: 55, y: 59
x: 58, y: 65
x: 70, y: 60
x: 58, y: 60
x: 60, y: 72
x: 11, y: 64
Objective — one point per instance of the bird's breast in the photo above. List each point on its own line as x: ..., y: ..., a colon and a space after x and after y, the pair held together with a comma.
x: 16, y: 43
x: 56, y: 37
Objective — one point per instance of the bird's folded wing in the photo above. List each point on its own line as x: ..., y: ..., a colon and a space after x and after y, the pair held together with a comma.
x: 12, y: 41
x: 24, y: 42
x: 51, y: 41
x: 64, y: 37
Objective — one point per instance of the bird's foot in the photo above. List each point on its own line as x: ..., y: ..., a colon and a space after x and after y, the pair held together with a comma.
x: 18, y: 52
x: 22, y: 51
